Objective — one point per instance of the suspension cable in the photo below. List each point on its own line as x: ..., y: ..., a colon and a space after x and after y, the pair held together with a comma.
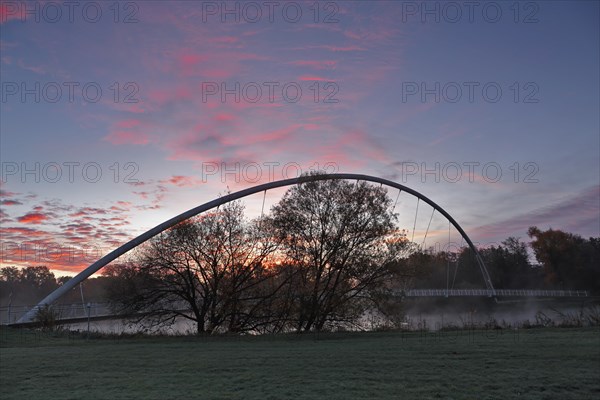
x: 263, y: 204
x: 396, y: 202
x: 428, y: 225
x: 81, y: 292
x: 260, y: 221
x: 456, y: 268
x: 415, y: 224
x: 448, y: 262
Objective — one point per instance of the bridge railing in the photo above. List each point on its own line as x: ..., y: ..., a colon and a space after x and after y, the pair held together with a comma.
x: 11, y: 314
x: 495, y: 292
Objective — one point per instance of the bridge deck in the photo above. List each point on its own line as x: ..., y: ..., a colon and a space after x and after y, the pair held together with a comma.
x: 73, y: 312
x: 10, y: 315
x: 496, y: 292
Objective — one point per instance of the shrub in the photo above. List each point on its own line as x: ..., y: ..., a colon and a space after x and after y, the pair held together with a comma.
x: 46, y: 318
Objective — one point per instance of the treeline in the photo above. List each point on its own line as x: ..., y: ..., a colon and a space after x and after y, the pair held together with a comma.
x: 27, y: 286
x: 565, y: 261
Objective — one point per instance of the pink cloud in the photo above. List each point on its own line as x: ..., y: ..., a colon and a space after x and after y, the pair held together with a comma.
x: 130, y: 123
x: 86, y: 211
x: 269, y: 136
x: 135, y: 108
x: 155, y: 196
x: 25, y: 232
x: 225, y: 39
x: 335, y: 49
x: 353, y: 35
x: 313, y: 78
x: 65, y: 244
x: 315, y: 64
x: 139, y: 183
x: 218, y: 73
x: 190, y: 59
x: 32, y: 218
x: 128, y: 132
x: 222, y: 64
x: 121, y: 206
x: 188, y: 63
x: 127, y: 137
x: 225, y: 117
x: 10, y: 202
x: 221, y: 137
x: 182, y: 181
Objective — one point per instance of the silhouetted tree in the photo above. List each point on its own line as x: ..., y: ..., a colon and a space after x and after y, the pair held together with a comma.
x: 204, y: 269
x: 508, y: 265
x: 338, y: 237
x: 569, y: 261
x: 26, y: 286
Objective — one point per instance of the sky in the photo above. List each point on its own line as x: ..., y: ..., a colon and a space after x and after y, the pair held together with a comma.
x: 116, y: 116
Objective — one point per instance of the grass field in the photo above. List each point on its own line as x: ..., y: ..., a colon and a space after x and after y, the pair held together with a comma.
x: 525, y: 364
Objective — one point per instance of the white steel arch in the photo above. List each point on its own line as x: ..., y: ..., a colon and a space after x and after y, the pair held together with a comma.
x: 86, y: 273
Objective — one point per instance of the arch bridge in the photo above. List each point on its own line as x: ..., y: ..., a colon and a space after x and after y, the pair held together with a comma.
x: 490, y: 291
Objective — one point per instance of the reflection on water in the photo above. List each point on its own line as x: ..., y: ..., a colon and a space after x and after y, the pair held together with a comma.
x: 121, y: 326
x: 419, y: 315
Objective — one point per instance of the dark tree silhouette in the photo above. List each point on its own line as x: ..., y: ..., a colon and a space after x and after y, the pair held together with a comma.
x: 569, y: 261
x: 339, y: 237
x: 204, y: 270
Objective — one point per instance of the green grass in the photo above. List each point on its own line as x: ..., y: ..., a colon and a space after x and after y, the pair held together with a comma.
x: 528, y: 364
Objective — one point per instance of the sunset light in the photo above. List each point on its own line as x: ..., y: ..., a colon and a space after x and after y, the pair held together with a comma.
x: 420, y: 160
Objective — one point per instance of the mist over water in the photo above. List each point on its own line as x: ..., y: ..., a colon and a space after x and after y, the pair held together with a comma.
x: 419, y: 314
x: 434, y: 314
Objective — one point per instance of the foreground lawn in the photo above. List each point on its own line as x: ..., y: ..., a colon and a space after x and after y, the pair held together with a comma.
x: 528, y: 364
